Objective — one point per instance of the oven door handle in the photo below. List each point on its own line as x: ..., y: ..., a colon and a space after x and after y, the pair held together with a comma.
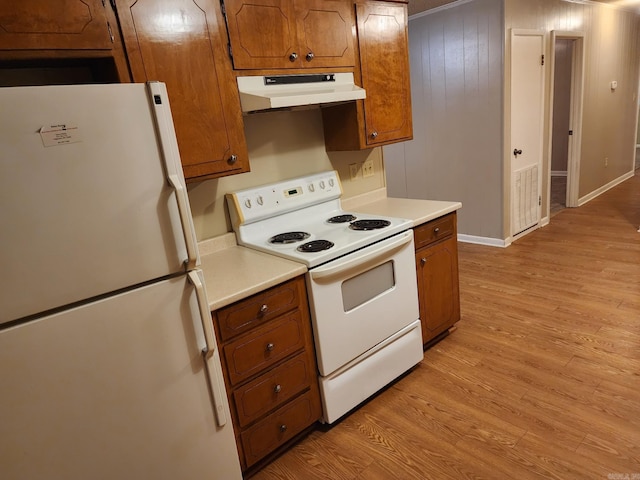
x: 360, y: 258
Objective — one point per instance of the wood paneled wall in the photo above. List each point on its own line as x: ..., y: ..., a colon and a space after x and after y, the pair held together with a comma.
x: 612, y: 37
x: 459, y: 58
x: 456, y: 87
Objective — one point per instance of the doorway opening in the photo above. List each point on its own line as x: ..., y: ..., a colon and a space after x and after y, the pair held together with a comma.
x: 567, y: 77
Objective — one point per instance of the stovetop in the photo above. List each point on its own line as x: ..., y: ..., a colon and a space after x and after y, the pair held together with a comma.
x: 299, y: 210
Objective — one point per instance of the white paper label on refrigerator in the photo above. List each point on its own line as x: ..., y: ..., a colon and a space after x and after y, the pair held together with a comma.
x: 53, y: 135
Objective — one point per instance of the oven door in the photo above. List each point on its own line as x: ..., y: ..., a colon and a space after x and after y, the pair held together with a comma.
x: 361, y: 299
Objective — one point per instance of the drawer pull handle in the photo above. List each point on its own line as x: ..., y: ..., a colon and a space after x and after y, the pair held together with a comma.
x: 423, y: 262
x: 436, y: 230
x: 283, y: 428
x: 263, y: 309
x: 277, y: 388
x: 270, y: 347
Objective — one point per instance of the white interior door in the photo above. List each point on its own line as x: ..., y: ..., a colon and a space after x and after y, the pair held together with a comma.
x: 527, y: 114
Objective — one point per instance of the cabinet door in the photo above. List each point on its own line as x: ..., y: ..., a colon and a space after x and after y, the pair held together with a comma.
x: 438, y: 290
x: 325, y: 32
x: 63, y: 24
x: 179, y: 42
x: 262, y: 34
x: 384, y: 61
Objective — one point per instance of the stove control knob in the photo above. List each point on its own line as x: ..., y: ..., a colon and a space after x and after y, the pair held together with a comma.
x: 331, y: 182
x: 322, y: 184
x: 247, y: 203
x: 312, y: 187
x: 260, y: 200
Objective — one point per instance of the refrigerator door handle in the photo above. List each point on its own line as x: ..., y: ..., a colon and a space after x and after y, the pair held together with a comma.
x: 210, y: 350
x: 185, y: 216
x: 171, y: 157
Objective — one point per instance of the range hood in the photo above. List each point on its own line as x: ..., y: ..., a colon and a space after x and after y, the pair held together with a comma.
x: 281, y: 91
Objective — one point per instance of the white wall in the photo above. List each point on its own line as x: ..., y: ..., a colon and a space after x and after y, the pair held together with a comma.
x: 281, y: 145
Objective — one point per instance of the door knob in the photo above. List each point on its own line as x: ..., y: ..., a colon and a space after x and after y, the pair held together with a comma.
x: 516, y: 152
x: 293, y: 57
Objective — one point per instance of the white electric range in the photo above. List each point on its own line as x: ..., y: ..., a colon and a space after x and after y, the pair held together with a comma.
x: 361, y: 281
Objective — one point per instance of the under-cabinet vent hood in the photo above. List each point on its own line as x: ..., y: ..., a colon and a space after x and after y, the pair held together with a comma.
x: 282, y: 91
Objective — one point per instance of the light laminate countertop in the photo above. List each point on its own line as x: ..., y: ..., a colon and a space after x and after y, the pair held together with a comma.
x: 232, y: 272
x: 420, y: 211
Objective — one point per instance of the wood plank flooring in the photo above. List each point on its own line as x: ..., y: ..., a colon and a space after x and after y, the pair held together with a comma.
x: 541, y: 379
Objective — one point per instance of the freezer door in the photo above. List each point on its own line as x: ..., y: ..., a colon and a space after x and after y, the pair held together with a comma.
x: 117, y: 389
x: 88, y: 198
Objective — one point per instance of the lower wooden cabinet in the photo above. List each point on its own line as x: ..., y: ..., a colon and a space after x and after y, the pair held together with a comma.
x: 270, y: 369
x: 438, y: 281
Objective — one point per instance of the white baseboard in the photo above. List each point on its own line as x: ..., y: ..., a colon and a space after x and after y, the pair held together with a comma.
x: 491, y: 242
x: 604, y: 188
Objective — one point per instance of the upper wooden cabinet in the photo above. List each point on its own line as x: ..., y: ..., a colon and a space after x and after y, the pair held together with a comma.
x: 180, y: 42
x: 385, y: 115
x: 283, y: 34
x: 63, y: 24
x: 62, y: 42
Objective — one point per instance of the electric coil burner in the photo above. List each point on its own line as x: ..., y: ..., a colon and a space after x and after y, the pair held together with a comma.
x: 373, y: 224
x: 361, y: 281
x: 342, y: 218
x: 289, y: 237
x: 315, y: 246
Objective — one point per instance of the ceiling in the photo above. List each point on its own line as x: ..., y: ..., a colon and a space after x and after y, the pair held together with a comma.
x: 416, y: 6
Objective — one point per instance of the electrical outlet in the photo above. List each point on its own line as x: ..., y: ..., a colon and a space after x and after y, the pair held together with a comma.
x: 606, y: 161
x: 354, y: 171
x: 367, y: 168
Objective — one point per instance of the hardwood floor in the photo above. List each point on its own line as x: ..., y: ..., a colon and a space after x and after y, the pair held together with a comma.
x: 541, y: 379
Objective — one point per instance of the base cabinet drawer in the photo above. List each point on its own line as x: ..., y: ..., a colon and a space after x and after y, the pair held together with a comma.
x: 272, y: 389
x: 268, y: 345
x: 270, y: 370
x: 279, y: 427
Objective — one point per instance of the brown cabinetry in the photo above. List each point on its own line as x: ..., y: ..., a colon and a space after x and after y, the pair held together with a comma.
x: 69, y: 41
x: 60, y: 25
x: 283, y: 34
x: 385, y: 115
x: 181, y: 43
x: 270, y: 370
x: 437, y: 270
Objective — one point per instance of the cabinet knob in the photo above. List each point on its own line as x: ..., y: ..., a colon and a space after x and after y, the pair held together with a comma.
x: 374, y: 134
x: 423, y: 261
x: 233, y: 159
x: 293, y: 57
x: 263, y: 309
x: 283, y: 428
x: 270, y: 347
x: 436, y: 230
x: 277, y: 388
x: 310, y: 56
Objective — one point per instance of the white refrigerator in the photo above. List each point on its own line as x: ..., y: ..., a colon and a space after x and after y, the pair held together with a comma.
x: 108, y: 361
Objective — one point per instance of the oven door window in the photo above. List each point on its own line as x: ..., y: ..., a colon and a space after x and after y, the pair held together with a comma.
x: 367, y: 285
